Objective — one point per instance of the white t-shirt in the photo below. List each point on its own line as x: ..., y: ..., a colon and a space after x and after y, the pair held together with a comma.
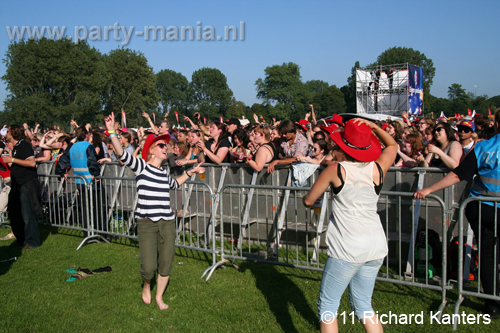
x: 355, y: 233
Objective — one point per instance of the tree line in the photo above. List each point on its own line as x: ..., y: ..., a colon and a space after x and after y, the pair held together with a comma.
x: 52, y: 81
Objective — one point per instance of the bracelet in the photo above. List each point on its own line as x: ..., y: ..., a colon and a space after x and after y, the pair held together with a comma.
x: 13, y: 159
x: 112, y: 135
x: 111, y: 132
x: 187, y: 174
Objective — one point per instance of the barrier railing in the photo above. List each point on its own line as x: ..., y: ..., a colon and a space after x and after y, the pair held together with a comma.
x: 259, y: 216
x: 466, y: 287
x: 106, y: 208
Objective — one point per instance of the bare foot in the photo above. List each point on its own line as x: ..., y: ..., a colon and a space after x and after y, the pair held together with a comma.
x: 146, y: 293
x: 161, y: 304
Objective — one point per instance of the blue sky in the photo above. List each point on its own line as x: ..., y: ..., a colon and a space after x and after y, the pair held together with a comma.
x: 325, y: 38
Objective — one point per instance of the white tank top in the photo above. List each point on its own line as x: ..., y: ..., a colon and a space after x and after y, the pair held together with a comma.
x: 355, y: 233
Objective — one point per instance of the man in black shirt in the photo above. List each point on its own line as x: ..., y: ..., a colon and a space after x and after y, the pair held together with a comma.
x: 24, y: 197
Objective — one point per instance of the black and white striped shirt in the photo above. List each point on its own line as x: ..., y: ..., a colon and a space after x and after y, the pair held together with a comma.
x: 153, y: 189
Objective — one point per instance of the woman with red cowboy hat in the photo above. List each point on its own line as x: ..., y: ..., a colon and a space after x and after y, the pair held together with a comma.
x: 355, y: 237
x: 155, y: 219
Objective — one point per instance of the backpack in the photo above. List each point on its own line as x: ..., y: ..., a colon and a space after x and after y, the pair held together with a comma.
x: 428, y: 240
x: 453, y: 260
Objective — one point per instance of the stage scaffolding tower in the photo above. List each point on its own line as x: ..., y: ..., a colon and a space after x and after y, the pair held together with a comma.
x: 382, y: 89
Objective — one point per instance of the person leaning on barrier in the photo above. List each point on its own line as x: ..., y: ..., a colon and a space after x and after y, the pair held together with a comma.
x: 216, y: 149
x: 481, y: 166
x: 266, y: 152
x: 156, y: 229
x: 320, y: 152
x: 411, y: 153
x: 240, y: 145
x: 293, y: 145
x: 356, y: 241
x: 445, y: 151
x: 194, y: 154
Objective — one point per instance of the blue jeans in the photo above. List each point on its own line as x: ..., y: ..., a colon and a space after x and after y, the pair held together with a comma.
x: 337, y: 275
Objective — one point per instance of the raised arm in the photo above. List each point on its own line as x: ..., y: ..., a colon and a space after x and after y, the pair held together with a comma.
x: 203, y: 128
x: 110, y: 121
x: 313, y: 114
x: 151, y: 124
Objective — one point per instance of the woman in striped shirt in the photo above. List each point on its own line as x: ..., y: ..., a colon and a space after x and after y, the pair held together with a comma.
x: 155, y: 218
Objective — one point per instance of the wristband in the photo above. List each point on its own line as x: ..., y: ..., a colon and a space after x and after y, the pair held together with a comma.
x: 13, y: 159
x: 111, y: 132
x: 187, y: 174
x: 112, y: 135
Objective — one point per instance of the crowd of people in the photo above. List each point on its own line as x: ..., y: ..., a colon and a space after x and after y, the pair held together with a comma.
x: 356, y: 154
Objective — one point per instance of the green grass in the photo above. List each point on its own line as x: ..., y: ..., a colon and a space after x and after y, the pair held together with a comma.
x: 257, y: 298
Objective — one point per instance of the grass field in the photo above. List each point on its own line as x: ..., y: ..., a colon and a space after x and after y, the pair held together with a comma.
x: 257, y: 298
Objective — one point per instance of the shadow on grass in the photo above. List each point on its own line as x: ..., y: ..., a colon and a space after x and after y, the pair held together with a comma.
x: 280, y: 292
x: 8, y: 251
x: 12, y: 249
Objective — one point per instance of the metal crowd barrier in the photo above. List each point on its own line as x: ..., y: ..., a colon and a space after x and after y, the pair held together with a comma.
x: 105, y: 209
x: 241, y: 214
x: 465, y: 260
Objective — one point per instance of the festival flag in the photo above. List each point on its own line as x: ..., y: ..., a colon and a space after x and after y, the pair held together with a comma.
x: 176, y: 116
x: 456, y: 116
x: 204, y: 120
x: 154, y: 118
x: 221, y: 120
x: 489, y: 112
x: 473, y: 113
x: 442, y: 116
x: 124, y: 119
x: 469, y: 112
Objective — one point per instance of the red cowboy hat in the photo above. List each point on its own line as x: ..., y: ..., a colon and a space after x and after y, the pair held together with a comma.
x: 358, y: 141
x: 152, y: 138
x: 337, y: 119
x: 330, y: 129
x: 302, y: 123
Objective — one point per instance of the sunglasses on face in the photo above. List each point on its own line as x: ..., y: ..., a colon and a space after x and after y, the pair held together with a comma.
x: 465, y: 130
x: 161, y: 145
x: 438, y: 129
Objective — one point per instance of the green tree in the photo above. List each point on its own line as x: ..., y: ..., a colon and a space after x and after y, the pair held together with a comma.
x: 349, y: 90
x: 460, y: 100
x: 53, y: 81
x: 331, y: 101
x: 317, y: 87
x: 456, y: 92
x: 237, y: 109
x: 172, y: 88
x: 314, y: 90
x: 209, y: 93
x: 438, y: 104
x: 267, y: 111
x: 494, y: 103
x: 481, y: 104
x: 131, y: 86
x: 282, y: 88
